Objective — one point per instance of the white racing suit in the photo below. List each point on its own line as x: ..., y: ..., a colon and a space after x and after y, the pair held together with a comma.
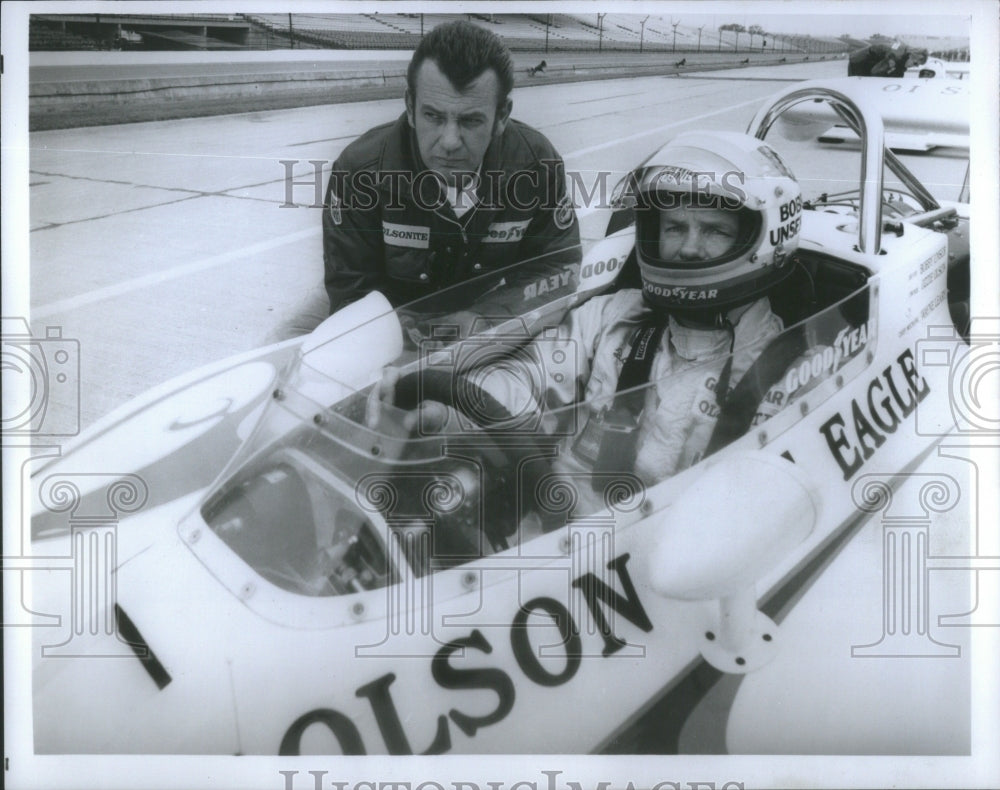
x: 681, y: 408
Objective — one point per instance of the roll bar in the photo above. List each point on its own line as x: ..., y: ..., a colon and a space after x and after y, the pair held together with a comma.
x: 864, y: 119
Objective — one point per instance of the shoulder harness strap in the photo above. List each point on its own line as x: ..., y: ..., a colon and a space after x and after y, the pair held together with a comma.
x: 740, y: 407
x: 621, y: 421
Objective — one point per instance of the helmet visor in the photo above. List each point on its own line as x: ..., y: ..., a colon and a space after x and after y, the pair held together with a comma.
x: 677, y: 231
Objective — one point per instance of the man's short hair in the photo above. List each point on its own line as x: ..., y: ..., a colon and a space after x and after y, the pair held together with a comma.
x: 463, y: 51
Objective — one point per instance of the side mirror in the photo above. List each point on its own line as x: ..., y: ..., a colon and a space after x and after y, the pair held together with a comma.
x: 732, y: 526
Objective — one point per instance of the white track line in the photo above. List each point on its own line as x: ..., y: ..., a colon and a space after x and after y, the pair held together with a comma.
x: 81, y: 300
x: 63, y: 305
x: 584, y: 211
x: 638, y: 135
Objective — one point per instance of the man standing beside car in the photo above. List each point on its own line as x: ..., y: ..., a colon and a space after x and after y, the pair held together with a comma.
x: 450, y: 192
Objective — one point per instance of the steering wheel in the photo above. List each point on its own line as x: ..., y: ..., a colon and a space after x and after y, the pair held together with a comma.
x: 513, y: 463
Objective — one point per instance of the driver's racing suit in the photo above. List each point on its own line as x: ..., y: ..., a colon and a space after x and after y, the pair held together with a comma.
x: 681, y: 408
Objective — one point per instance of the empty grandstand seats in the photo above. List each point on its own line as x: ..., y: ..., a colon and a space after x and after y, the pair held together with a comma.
x: 521, y: 32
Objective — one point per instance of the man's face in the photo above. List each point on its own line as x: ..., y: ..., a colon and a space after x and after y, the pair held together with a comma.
x: 697, y: 234
x: 454, y: 128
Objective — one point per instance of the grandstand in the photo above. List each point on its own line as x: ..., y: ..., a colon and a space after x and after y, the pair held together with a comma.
x: 43, y: 36
x: 137, y: 31
x: 522, y: 32
x: 949, y: 47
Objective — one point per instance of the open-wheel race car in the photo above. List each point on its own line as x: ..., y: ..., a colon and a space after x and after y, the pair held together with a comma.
x: 296, y: 566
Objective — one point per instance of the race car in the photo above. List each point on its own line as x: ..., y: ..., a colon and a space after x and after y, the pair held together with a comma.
x: 919, y: 115
x: 935, y: 68
x: 253, y: 559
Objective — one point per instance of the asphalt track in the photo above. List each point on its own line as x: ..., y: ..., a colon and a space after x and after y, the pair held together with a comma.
x: 72, y: 89
x: 61, y: 67
x: 164, y: 246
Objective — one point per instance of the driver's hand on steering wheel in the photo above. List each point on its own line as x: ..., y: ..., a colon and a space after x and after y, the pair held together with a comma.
x: 430, y: 416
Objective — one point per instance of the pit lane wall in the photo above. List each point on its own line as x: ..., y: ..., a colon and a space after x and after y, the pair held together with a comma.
x: 68, y: 89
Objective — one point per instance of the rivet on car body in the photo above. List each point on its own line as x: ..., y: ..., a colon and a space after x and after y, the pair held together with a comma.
x: 470, y: 580
x: 762, y: 438
x: 195, y: 536
x: 804, y: 408
x: 358, y: 609
x: 247, y: 590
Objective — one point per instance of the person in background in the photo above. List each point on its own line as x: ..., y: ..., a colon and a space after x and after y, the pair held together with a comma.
x: 884, y: 60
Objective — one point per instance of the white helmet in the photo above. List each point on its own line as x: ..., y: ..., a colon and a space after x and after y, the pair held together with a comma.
x: 726, y: 170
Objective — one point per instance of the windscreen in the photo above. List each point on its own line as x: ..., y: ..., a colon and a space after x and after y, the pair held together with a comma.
x: 471, y: 445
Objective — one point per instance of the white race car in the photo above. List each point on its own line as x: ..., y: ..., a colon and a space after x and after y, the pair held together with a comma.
x: 935, y: 68
x: 263, y: 571
x: 919, y: 115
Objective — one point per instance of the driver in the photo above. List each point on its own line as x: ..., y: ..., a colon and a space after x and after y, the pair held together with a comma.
x: 717, y: 225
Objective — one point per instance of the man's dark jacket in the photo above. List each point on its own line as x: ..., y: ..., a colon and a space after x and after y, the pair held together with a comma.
x: 878, y: 60
x: 388, y: 228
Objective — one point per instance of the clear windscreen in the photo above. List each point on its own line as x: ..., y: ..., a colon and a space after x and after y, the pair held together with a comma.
x: 470, y: 443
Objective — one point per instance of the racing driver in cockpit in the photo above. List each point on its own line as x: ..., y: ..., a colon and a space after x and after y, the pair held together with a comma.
x: 667, y: 371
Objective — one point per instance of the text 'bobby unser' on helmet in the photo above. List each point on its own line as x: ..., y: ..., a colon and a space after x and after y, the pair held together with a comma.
x: 728, y: 172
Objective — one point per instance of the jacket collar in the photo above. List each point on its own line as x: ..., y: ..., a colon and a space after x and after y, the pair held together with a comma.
x: 696, y: 343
